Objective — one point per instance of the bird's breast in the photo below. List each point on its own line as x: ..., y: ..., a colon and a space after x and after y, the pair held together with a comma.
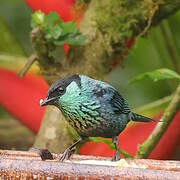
x: 89, y: 119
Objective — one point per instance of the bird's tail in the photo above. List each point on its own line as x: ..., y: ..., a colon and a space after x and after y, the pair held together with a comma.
x: 140, y: 118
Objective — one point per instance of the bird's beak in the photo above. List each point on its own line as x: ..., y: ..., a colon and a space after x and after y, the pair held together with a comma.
x: 46, y: 101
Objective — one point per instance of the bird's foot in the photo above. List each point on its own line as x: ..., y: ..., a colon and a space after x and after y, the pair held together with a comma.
x: 45, y: 154
x: 116, y: 156
x: 66, y: 154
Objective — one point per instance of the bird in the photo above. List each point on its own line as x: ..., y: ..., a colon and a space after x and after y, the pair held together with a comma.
x: 92, y: 107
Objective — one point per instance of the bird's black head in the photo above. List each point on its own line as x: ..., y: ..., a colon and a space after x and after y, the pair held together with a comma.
x: 58, y: 88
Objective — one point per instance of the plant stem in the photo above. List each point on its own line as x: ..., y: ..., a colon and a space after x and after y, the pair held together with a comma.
x: 146, y: 148
x: 27, y: 66
x: 170, y: 45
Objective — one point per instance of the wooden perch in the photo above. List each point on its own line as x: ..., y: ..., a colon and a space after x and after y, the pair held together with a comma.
x: 28, y: 165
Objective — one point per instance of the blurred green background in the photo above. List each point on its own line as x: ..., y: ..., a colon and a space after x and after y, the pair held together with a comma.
x: 17, y: 16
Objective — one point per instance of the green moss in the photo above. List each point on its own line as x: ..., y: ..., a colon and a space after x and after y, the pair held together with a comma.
x: 119, y: 20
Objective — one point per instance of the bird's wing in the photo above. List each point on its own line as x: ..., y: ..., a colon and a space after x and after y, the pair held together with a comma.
x: 106, y: 93
x: 118, y: 103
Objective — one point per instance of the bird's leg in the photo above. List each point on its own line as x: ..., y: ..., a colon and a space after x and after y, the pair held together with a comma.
x: 43, y: 153
x: 116, y: 156
x: 68, y: 152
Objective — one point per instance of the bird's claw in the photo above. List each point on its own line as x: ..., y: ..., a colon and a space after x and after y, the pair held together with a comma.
x: 116, y: 156
x: 66, y: 155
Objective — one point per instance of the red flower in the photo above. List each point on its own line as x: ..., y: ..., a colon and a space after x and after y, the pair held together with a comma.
x: 63, y: 7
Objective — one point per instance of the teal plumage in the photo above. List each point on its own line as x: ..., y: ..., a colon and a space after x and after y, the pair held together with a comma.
x: 92, y: 107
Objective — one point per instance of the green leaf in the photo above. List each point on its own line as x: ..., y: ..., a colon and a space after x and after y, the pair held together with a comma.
x: 52, y: 18
x: 156, y: 75
x: 56, y: 30
x: 53, y: 33
x: 61, y: 40
x: 75, y: 40
x: 59, y: 43
x: 69, y: 28
x: 38, y: 19
x: 111, y: 145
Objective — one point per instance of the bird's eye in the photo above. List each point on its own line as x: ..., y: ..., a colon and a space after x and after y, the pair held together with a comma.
x: 61, y: 89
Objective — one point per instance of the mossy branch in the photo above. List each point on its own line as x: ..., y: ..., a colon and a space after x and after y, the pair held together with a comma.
x: 108, y: 25
x: 146, y: 148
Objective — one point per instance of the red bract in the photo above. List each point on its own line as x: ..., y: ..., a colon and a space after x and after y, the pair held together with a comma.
x: 66, y: 48
x: 21, y: 97
x: 63, y: 7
